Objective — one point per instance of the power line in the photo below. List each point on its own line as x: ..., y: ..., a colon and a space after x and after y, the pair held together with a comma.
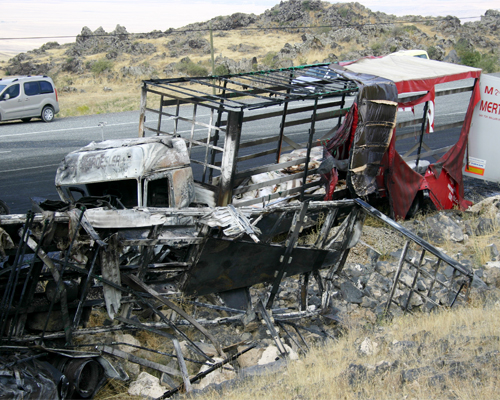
x: 170, y: 32
x: 45, y: 37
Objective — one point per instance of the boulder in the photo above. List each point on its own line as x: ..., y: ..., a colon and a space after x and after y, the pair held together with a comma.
x: 351, y: 293
x: 146, y: 385
x: 368, y: 347
x: 215, y: 377
x: 126, y: 338
x: 250, y: 358
x: 441, y: 228
x: 272, y: 354
x: 452, y: 57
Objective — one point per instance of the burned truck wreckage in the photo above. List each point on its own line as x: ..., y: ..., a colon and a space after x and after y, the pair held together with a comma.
x: 180, y: 223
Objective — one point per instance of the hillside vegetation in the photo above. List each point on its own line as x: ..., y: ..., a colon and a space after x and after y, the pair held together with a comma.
x: 102, y: 72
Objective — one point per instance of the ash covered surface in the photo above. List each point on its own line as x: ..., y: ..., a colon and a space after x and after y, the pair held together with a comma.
x: 476, y: 190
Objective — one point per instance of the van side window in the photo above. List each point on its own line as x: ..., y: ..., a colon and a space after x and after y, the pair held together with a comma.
x: 46, y: 87
x: 12, y: 91
x: 31, y: 88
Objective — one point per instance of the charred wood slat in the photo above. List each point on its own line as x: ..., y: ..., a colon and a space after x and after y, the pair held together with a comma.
x: 31, y: 279
x: 8, y: 295
x: 396, y: 276
x: 272, y: 330
x: 296, y: 228
x: 415, y: 279
x: 182, y: 366
x: 61, y: 289
x: 139, y: 360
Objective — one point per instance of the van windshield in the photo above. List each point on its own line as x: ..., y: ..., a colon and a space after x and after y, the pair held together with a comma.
x: 2, y: 87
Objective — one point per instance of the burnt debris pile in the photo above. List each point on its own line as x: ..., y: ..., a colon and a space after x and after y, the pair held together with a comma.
x: 220, y: 288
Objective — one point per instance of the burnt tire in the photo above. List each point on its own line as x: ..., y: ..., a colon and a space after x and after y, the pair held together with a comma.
x: 47, y: 114
x: 4, y: 209
x: 416, y: 206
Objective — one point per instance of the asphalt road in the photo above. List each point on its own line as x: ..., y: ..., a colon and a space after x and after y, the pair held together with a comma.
x: 30, y: 152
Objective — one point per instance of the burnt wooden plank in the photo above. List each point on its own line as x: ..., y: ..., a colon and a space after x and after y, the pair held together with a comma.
x: 231, y: 148
x: 138, y: 360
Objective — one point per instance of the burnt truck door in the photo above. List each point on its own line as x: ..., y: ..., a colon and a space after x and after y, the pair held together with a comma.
x: 173, y: 188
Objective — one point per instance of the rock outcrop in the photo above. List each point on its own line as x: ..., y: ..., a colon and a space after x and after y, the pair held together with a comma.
x: 343, y: 31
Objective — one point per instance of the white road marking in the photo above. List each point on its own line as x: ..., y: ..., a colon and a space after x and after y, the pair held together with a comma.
x: 64, y: 130
x: 455, y: 113
x: 24, y: 169
x: 81, y: 128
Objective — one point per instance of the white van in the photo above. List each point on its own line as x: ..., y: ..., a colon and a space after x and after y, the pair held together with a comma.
x: 27, y: 97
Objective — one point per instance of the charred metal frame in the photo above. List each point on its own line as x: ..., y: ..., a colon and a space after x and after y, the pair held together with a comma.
x: 206, y: 267
x: 457, y: 288
x: 226, y: 98
x: 203, y: 270
x: 219, y: 249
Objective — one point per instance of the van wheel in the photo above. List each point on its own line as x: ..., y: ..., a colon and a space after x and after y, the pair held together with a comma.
x: 26, y: 119
x: 47, y: 114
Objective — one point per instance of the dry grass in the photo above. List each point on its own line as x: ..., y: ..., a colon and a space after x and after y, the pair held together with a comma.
x: 322, y: 374
x: 269, y: 42
x: 326, y: 371
x: 97, y: 317
x: 115, y: 389
x: 95, y: 102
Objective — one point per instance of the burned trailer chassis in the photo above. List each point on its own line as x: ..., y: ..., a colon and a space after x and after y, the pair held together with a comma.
x: 213, y: 262
x: 218, y: 251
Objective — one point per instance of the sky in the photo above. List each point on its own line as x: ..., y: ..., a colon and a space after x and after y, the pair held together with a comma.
x: 26, y: 19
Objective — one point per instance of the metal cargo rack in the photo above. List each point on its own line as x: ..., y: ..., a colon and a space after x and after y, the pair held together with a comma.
x: 226, y: 155
x: 448, y: 282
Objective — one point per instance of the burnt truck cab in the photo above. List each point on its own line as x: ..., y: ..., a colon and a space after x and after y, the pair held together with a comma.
x: 142, y: 172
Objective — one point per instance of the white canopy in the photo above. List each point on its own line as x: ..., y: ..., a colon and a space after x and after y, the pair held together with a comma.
x: 412, y: 74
